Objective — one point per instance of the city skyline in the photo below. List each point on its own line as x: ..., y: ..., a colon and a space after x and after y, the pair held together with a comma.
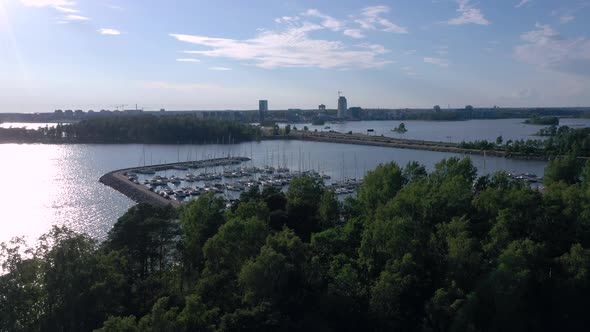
x: 60, y: 54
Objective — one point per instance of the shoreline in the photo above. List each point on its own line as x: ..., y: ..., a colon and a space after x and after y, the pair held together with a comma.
x: 333, y: 137
x: 383, y: 141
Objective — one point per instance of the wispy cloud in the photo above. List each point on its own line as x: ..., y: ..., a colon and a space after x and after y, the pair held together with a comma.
x: 468, y: 15
x: 371, y: 19
x: 112, y: 32
x: 71, y: 14
x: 75, y: 18
x: 290, y: 47
x: 327, y: 21
x: 546, y: 48
x: 522, y: 3
x: 114, y: 7
x: 437, y: 61
x: 354, y: 33
x: 219, y: 68
x: 45, y: 3
x: 66, y: 9
x: 188, y: 60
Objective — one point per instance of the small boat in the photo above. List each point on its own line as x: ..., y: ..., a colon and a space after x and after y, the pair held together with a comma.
x: 145, y: 171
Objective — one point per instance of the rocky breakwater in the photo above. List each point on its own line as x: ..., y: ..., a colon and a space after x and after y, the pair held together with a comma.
x: 138, y: 193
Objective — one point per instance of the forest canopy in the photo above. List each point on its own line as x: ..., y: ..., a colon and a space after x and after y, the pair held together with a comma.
x: 412, y: 251
x: 170, y: 129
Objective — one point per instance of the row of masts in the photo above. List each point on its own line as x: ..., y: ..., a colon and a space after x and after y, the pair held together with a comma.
x: 278, y: 159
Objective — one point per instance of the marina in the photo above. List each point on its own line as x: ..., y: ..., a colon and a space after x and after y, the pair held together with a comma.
x: 63, y: 189
x: 224, y: 177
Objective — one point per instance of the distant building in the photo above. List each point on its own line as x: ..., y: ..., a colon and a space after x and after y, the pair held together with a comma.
x: 322, y: 107
x: 262, y: 109
x: 355, y: 113
x: 342, y: 107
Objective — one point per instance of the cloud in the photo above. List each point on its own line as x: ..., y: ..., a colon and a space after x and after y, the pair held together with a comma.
x: 63, y: 6
x: 219, y: 68
x: 45, y: 3
x: 546, y: 48
x: 75, y: 18
x: 290, y: 47
x: 354, y: 33
x: 188, y: 60
x: 287, y: 19
x: 565, y: 19
x: 327, y: 21
x: 371, y: 19
x: 522, y: 3
x: 469, y: 15
x: 114, y: 7
x: 66, y: 9
x: 112, y: 32
x: 437, y: 61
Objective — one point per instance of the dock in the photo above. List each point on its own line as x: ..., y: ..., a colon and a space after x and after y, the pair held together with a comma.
x: 139, y: 193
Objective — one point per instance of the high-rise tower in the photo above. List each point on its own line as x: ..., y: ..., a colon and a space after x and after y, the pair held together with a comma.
x: 262, y: 109
x: 342, y: 107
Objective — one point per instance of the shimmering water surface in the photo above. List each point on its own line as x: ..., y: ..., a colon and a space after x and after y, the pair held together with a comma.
x: 44, y: 185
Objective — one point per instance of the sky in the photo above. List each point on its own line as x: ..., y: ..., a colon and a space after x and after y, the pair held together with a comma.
x: 192, y: 54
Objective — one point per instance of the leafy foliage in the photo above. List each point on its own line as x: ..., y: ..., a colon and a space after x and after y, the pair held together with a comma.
x: 444, y: 251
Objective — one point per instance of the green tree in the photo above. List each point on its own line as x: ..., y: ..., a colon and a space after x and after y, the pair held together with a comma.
x: 199, y: 221
x: 565, y: 169
x: 380, y: 186
x: 329, y: 209
x: 499, y: 140
x: 119, y: 324
x: 303, y: 202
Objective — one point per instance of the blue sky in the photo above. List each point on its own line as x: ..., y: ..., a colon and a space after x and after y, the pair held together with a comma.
x: 297, y: 54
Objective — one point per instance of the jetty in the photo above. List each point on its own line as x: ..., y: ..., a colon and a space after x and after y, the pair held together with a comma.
x: 119, y: 179
x: 400, y: 143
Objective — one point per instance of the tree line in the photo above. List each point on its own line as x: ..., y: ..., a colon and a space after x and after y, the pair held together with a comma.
x: 178, y: 129
x: 560, y: 141
x: 412, y: 251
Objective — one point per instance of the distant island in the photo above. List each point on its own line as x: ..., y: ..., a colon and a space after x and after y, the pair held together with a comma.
x: 543, y: 121
x: 400, y: 129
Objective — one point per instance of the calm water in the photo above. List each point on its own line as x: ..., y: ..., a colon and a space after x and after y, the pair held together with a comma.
x: 449, y: 131
x: 58, y: 184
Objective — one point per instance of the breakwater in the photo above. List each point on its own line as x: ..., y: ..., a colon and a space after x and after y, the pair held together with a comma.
x: 119, y: 179
x: 362, y: 139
